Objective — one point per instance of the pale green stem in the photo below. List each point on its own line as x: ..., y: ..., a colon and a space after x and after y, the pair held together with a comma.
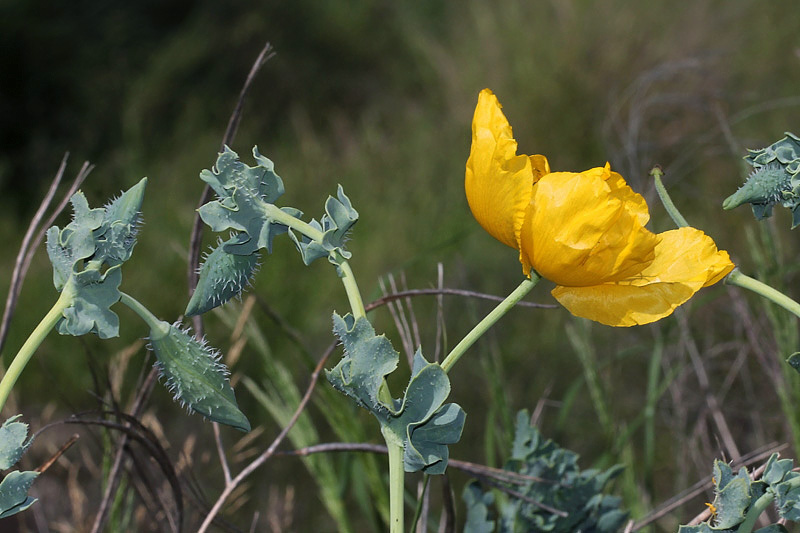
x: 762, y: 289
x: 273, y: 212
x: 34, y: 341
x: 396, y: 483
x: 760, y: 506
x: 501, y: 309
x: 351, y: 288
x: 396, y: 472
x: 666, y: 200
x: 158, y: 327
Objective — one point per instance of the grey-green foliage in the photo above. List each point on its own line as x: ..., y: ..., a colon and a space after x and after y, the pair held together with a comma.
x: 559, y: 484
x: 420, y: 420
x: 738, y: 498
x: 245, y: 206
x: 195, y: 375
x: 775, y: 180
x: 339, y: 217
x: 15, y: 485
x: 86, y: 257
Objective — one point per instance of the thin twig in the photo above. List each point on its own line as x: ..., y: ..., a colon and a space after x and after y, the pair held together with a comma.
x: 30, y: 243
x: 452, y: 292
x: 270, y: 451
x: 196, y: 239
x: 223, y: 461
x: 475, y: 469
x: 47, y: 464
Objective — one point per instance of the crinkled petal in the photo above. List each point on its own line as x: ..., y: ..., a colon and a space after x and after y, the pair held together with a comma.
x: 498, y: 182
x: 686, y: 255
x: 580, y: 230
x: 686, y: 260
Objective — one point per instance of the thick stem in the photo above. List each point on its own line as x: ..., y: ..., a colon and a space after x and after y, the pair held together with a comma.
x: 351, y: 288
x: 501, y: 309
x: 761, y: 505
x: 34, y: 341
x: 274, y: 213
x: 396, y: 483
x: 762, y: 289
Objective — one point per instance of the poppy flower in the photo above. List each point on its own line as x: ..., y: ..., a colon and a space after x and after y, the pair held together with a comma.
x: 584, y: 231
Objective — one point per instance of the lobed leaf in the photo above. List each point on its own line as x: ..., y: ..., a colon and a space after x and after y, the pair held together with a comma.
x: 336, y: 223
x: 13, y: 442
x: 477, y: 502
x: 86, y: 256
x: 556, y: 482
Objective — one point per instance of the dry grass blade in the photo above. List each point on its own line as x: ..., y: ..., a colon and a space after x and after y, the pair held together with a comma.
x: 270, y: 451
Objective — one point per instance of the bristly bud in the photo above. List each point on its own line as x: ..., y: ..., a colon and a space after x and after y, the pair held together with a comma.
x: 194, y: 374
x: 775, y: 180
x: 222, y: 276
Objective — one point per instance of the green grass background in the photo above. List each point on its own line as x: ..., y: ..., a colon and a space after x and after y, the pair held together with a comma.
x: 378, y: 96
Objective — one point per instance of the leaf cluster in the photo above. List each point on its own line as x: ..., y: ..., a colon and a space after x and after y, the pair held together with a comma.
x: 86, y: 257
x: 15, y: 485
x: 420, y: 420
x: 775, y: 179
x: 739, y: 500
x: 556, y: 483
x: 245, y: 206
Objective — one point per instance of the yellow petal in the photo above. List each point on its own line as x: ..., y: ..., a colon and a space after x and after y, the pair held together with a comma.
x: 498, y: 182
x: 586, y: 229
x: 686, y: 260
x: 687, y: 255
x: 623, y: 305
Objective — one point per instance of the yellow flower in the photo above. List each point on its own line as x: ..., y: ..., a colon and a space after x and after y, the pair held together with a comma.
x: 584, y: 231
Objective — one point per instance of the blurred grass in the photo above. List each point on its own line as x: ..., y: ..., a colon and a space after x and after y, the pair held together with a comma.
x: 379, y: 96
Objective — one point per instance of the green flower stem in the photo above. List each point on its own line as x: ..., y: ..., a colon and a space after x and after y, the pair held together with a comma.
x: 666, y: 200
x: 351, y: 288
x: 501, y: 309
x: 34, y: 341
x: 158, y: 327
x: 396, y: 482
x: 761, y: 505
x: 274, y: 213
x: 762, y: 289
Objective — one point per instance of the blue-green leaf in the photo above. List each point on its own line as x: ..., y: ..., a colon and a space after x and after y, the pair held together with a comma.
x: 193, y: 372
x: 339, y: 218
x: 117, y: 235
x: 242, y: 194
x: 733, y: 495
x: 90, y: 311
x: 419, y: 420
x: 477, y: 502
x: 86, y: 256
x: 14, y: 492
x: 13, y: 442
x: 14, y: 487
